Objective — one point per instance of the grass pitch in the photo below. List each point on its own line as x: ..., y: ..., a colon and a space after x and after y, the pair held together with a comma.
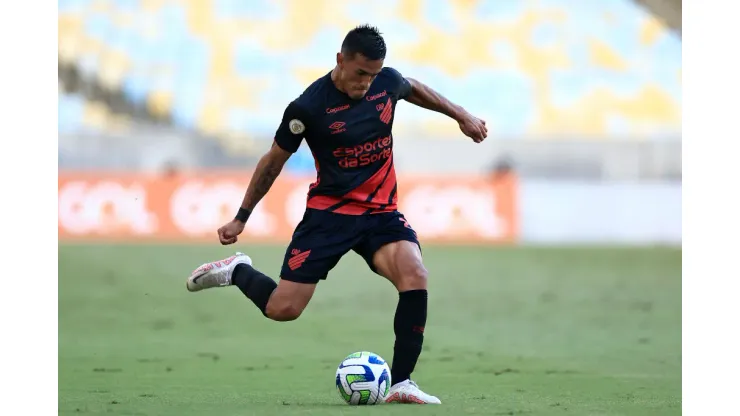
x: 535, y: 331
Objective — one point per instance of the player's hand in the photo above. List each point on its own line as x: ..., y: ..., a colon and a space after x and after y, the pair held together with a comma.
x: 229, y: 232
x: 473, y: 127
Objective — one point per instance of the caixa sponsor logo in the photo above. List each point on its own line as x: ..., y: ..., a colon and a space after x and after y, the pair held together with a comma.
x: 198, y: 209
x: 105, y: 207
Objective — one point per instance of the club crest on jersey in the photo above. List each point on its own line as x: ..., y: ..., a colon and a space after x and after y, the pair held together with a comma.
x: 296, y: 126
x: 387, y: 113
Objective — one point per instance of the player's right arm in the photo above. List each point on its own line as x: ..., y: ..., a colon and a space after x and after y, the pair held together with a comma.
x: 268, y: 169
x: 287, y: 140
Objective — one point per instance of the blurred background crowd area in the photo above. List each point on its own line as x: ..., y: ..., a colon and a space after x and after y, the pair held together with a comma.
x: 569, y: 88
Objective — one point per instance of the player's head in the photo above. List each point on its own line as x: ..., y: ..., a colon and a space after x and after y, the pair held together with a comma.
x: 360, y: 61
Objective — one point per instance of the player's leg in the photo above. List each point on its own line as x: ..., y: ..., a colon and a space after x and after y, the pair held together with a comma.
x: 392, y: 251
x: 319, y: 241
x: 283, y: 301
x: 401, y: 263
x: 318, y: 244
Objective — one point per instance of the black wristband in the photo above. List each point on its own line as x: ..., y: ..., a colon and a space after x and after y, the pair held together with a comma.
x: 243, y: 214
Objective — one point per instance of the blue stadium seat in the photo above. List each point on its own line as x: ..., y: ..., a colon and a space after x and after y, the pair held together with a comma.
x: 70, y: 109
x: 538, y: 66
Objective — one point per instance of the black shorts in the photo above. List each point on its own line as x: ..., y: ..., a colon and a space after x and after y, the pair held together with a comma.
x: 322, y: 238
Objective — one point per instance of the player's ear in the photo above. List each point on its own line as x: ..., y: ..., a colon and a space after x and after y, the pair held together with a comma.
x: 340, y: 59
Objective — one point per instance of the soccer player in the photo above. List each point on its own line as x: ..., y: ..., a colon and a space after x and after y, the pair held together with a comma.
x: 345, y: 117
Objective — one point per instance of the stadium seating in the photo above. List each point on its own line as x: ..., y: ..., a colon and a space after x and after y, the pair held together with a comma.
x: 543, y: 69
x: 78, y: 114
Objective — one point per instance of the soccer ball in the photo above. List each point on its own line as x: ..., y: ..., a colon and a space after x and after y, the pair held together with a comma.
x: 363, y: 378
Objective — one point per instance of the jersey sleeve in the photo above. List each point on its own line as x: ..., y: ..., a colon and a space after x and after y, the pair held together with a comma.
x: 293, y: 128
x: 403, y: 87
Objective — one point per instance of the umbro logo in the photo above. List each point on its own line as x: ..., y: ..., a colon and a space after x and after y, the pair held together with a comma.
x: 337, y: 127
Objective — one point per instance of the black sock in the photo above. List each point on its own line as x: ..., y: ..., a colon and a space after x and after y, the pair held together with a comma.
x: 255, y: 285
x: 411, y: 316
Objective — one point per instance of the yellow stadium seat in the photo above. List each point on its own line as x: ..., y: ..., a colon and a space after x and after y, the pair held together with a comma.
x: 96, y: 115
x: 159, y: 103
x: 582, y: 70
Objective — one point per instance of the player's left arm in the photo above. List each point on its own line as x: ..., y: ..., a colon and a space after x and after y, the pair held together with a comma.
x: 424, y: 96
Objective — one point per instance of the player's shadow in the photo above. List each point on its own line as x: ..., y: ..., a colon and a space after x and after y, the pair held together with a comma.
x: 319, y: 402
x: 314, y: 404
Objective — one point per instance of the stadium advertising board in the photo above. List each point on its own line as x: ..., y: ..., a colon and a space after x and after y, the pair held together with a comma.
x: 191, y: 207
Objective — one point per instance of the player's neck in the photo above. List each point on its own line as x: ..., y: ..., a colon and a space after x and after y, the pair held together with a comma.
x: 335, y: 81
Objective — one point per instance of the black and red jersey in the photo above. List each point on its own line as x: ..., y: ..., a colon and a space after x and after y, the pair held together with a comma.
x: 351, y: 142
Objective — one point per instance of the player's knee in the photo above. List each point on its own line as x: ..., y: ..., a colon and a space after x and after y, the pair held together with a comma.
x: 414, y: 278
x: 284, y: 311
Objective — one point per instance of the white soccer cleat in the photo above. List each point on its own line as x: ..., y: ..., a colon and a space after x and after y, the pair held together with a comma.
x: 216, y: 274
x: 408, y: 392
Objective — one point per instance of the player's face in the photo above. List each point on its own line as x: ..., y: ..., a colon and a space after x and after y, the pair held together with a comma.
x: 357, y: 73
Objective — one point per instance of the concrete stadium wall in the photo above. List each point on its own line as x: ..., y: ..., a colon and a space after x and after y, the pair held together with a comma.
x: 600, y: 212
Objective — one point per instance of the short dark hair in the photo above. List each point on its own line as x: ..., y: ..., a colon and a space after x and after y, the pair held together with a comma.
x: 366, y: 40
